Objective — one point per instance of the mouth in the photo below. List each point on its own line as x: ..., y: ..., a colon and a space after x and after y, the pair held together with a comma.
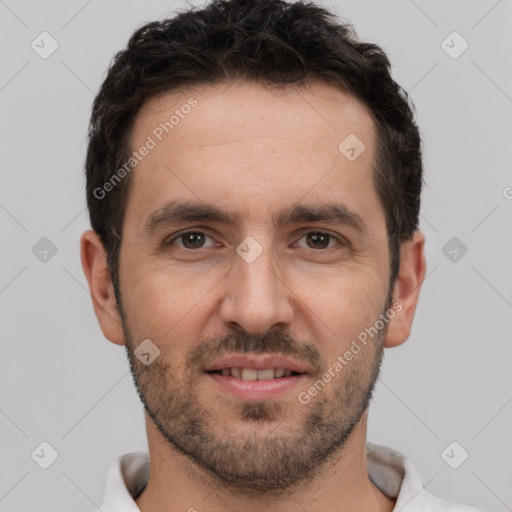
x: 260, y: 377
x: 251, y: 374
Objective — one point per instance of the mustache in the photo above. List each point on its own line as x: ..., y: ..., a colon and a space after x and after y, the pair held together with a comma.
x: 274, y: 342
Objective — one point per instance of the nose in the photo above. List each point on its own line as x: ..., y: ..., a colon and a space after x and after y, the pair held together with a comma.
x: 258, y: 298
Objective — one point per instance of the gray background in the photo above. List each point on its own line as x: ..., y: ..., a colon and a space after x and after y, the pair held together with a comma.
x: 62, y: 382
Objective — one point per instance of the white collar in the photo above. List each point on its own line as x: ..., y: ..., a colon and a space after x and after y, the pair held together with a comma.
x: 395, y: 475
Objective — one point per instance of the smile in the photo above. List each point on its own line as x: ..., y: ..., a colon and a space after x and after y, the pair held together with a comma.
x: 253, y: 374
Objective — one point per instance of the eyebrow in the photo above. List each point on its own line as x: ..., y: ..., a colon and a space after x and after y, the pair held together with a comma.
x: 178, y: 212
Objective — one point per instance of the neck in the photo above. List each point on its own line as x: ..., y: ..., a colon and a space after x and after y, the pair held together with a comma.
x: 341, y: 484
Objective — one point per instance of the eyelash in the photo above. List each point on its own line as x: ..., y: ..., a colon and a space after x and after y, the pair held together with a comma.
x: 341, y: 240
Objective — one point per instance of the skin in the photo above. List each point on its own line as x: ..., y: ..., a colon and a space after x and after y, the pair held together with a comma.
x: 252, y: 151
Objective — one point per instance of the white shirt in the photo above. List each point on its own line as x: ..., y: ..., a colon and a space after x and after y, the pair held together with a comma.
x: 395, y: 475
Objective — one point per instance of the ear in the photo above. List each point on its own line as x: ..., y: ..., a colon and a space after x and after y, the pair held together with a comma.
x: 94, y: 264
x: 407, y: 289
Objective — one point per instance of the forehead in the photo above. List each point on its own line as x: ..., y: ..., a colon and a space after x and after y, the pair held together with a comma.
x: 229, y: 111
x: 243, y: 143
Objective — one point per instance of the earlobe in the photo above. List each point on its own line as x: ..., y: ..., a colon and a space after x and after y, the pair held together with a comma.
x: 407, y: 288
x: 95, y: 266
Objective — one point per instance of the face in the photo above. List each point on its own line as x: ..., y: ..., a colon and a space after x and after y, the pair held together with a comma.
x: 255, y: 247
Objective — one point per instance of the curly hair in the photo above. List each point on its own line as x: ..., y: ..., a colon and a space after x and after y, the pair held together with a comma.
x: 268, y: 41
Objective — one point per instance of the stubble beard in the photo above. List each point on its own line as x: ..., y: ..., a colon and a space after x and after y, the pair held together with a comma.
x: 276, y: 454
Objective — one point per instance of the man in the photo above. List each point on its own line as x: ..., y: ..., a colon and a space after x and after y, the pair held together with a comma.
x: 253, y: 183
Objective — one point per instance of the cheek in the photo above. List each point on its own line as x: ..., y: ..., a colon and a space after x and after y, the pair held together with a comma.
x: 341, y: 308
x: 161, y: 302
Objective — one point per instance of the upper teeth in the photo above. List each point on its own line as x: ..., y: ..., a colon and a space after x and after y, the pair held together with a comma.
x: 252, y: 374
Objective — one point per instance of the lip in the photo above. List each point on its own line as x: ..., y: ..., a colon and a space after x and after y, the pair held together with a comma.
x: 256, y: 389
x: 259, y: 362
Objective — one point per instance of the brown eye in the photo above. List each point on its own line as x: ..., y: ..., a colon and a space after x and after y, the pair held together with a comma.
x: 319, y: 240
x: 190, y: 240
